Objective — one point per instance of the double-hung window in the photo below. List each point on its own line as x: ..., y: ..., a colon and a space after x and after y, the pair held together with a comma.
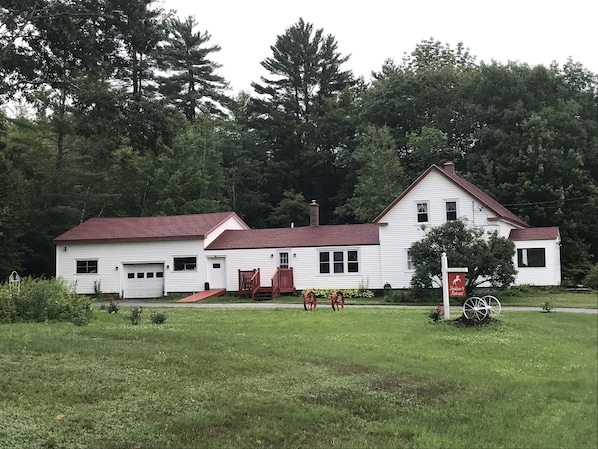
x: 451, y: 210
x: 423, y: 212
x: 410, y: 264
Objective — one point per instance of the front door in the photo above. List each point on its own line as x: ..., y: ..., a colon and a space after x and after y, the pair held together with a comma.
x: 283, y: 259
x: 217, y: 272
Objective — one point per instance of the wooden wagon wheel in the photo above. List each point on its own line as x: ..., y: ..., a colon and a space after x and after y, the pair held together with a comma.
x: 475, y: 309
x: 338, y: 300
x: 309, y: 300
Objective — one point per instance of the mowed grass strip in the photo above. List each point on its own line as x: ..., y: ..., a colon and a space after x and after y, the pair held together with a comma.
x: 286, y: 378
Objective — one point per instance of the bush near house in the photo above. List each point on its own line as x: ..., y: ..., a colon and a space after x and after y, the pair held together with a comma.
x: 348, y: 293
x: 40, y: 299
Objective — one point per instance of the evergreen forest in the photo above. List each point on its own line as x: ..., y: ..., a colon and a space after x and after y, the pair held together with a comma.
x: 116, y: 108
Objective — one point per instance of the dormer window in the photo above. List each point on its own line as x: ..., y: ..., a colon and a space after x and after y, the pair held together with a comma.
x: 422, y: 212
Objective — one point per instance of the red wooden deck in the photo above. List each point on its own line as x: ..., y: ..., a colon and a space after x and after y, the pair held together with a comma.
x: 203, y: 295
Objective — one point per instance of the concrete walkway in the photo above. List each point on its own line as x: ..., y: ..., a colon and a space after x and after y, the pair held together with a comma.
x: 276, y: 305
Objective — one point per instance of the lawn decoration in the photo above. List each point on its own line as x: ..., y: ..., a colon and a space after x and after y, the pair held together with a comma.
x: 309, y: 300
x: 478, y: 309
x: 338, y: 300
x: 14, y: 283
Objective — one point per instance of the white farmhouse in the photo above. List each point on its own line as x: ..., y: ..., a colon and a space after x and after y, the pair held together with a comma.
x: 440, y: 195
x: 153, y: 256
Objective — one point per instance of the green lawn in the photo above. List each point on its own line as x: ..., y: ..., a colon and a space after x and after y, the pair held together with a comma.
x: 286, y: 378
x: 556, y: 298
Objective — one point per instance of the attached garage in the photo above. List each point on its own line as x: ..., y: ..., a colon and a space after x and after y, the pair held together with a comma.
x: 144, y: 280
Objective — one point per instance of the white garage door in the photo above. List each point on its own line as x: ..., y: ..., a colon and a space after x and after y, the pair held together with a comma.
x: 144, y: 280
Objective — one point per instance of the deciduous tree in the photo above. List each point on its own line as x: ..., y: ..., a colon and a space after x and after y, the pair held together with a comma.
x: 489, y: 257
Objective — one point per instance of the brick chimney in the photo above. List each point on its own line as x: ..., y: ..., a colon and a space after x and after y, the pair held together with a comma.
x: 449, y: 167
x: 314, y: 213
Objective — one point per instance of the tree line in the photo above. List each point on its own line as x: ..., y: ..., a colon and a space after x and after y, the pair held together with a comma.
x: 123, y: 113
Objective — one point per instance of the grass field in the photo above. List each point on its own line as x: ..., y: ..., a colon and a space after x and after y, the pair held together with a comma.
x: 556, y: 297
x: 285, y: 378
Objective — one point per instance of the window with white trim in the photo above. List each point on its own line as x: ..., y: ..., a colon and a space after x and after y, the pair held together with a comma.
x: 185, y: 263
x: 410, y: 264
x: 451, y: 210
x: 423, y: 212
x: 339, y: 262
x: 87, y: 266
x: 531, y: 257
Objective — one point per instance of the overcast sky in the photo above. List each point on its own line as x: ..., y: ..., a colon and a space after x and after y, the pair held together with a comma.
x: 528, y: 31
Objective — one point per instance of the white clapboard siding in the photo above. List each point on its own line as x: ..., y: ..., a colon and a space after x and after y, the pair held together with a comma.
x: 401, y: 228
x: 540, y: 276
x: 305, y: 264
x: 112, y: 257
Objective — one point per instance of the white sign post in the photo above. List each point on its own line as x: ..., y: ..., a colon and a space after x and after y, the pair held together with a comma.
x: 445, y: 284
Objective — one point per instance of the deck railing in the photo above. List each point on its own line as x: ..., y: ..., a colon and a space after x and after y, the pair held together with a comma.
x: 282, y: 282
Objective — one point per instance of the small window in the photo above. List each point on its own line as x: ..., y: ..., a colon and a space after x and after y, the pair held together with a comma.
x: 140, y: 275
x: 216, y: 265
x: 185, y: 263
x: 339, y: 264
x: 150, y: 275
x: 160, y: 274
x: 87, y: 266
x: 130, y: 275
x: 531, y: 257
x: 451, y: 210
x: 422, y: 212
x: 410, y: 264
x: 352, y: 262
x: 324, y: 262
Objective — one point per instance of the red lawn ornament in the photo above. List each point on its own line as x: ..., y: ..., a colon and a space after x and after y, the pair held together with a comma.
x: 309, y: 300
x: 338, y: 300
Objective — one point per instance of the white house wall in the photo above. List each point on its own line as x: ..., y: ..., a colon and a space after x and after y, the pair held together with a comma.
x: 111, y: 256
x: 402, y: 229
x: 230, y: 223
x: 540, y: 276
x: 305, y: 264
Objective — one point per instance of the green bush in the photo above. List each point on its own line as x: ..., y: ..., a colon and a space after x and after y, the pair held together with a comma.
x: 42, y: 300
x: 7, y: 306
x: 136, y: 313
x: 347, y: 293
x: 158, y: 317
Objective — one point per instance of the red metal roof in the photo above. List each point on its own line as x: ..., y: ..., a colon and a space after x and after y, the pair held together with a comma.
x: 315, y: 236
x: 137, y: 229
x: 502, y: 213
x: 543, y: 233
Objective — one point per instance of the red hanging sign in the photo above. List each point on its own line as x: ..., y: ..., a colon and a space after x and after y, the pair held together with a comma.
x: 456, y: 282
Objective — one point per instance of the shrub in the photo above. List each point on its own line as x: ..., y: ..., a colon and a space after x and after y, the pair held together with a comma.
x: 43, y: 299
x: 112, y: 305
x: 436, y: 314
x: 547, y: 307
x: 7, y: 307
x: 158, y: 317
x: 347, y: 293
x: 136, y: 313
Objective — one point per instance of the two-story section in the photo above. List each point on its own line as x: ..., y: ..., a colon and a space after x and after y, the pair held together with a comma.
x: 435, y: 197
